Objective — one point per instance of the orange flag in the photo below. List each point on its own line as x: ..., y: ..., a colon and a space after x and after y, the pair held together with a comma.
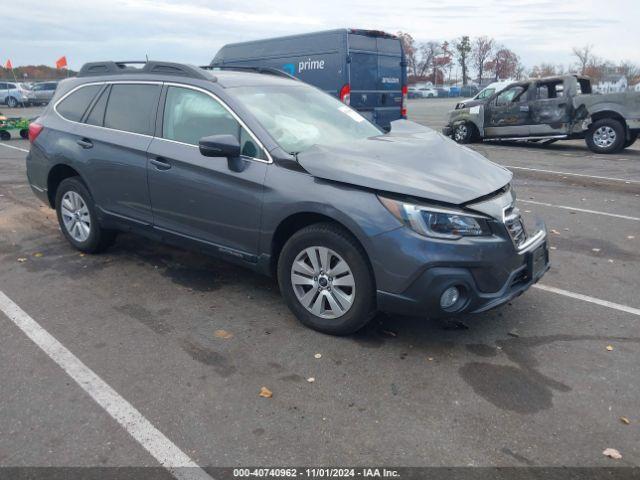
x: 61, y: 62
x: 8, y: 65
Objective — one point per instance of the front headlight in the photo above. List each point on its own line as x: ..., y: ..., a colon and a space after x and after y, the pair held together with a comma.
x: 437, y: 222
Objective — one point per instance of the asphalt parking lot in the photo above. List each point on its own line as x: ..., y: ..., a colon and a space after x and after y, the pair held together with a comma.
x: 188, y: 341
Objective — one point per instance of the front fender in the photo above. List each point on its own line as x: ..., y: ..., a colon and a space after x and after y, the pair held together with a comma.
x: 473, y: 115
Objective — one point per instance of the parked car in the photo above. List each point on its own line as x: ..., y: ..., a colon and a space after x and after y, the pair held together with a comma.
x: 550, y: 109
x: 366, y: 69
x: 442, y: 92
x: 412, y: 92
x: 14, y: 94
x: 428, y: 92
x: 43, y: 92
x: 273, y: 174
x: 486, y: 92
x: 468, y: 90
x: 454, y: 91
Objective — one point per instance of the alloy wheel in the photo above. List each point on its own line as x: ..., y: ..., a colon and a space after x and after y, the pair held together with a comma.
x: 323, y: 282
x: 75, y: 216
x: 604, y: 136
x: 461, y: 133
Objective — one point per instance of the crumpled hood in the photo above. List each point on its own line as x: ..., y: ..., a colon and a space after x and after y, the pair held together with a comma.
x: 410, y: 160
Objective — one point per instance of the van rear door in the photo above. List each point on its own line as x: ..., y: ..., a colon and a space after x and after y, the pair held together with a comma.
x: 376, y: 77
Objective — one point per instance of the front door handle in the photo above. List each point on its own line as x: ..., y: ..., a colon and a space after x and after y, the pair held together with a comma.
x: 160, y: 163
x: 85, y: 143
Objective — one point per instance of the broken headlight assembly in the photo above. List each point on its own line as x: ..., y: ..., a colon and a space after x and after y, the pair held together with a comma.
x: 437, y: 222
x: 459, y: 105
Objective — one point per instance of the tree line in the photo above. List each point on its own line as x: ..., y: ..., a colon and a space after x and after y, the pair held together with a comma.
x: 483, y: 59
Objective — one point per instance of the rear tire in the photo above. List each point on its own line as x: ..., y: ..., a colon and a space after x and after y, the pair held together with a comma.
x: 326, y: 281
x: 606, y: 136
x: 464, y: 133
x: 12, y: 102
x: 78, y: 219
x: 24, y: 133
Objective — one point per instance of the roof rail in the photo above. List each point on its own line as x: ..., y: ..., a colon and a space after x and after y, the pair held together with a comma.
x: 125, y: 67
x: 267, y: 70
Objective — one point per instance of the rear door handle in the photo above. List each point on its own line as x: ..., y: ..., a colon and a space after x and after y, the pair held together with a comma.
x: 160, y: 163
x: 85, y: 143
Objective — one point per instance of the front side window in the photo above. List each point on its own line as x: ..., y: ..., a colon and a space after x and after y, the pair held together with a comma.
x: 510, y: 95
x: 190, y: 115
x: 299, y: 116
x: 131, y: 108
x: 74, y: 105
x: 486, y: 93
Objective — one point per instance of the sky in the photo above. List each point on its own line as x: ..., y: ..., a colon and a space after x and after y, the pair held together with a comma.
x: 191, y: 31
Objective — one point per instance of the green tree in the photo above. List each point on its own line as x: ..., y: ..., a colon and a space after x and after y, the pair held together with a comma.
x: 463, y: 52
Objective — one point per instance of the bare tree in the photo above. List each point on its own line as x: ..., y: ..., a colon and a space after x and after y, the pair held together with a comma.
x: 462, y: 53
x: 504, y: 64
x: 482, y: 49
x: 428, y: 53
x: 410, y: 52
x: 544, y: 70
x: 584, y: 56
x: 628, y: 69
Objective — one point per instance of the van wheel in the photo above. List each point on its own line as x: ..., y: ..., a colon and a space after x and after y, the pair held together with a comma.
x: 464, y: 133
x: 77, y: 217
x: 325, y: 280
x: 631, y: 141
x: 606, y: 136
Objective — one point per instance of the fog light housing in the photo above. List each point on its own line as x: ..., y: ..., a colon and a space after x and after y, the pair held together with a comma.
x: 449, y: 297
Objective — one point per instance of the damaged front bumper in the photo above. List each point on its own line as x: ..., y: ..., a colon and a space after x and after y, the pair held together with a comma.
x: 495, y: 273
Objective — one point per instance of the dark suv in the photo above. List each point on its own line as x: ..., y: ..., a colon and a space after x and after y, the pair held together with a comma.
x: 274, y: 174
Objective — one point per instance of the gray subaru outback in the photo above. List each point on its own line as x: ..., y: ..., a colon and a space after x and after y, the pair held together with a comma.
x: 273, y: 174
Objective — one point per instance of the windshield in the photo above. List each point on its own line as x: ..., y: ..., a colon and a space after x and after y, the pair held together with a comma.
x: 299, y: 116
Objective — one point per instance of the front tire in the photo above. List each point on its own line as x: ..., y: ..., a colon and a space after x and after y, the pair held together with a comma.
x: 12, y: 102
x: 326, y: 281
x: 78, y: 219
x: 464, y: 133
x: 606, y: 136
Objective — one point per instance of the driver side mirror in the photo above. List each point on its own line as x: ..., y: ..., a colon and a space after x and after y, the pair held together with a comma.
x: 219, y: 146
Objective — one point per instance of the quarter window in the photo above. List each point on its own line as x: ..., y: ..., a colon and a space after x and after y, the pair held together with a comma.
x: 190, y: 115
x: 96, y: 117
x: 74, y: 105
x: 132, y: 107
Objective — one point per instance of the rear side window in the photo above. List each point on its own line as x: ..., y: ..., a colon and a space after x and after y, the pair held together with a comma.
x: 74, y: 105
x: 132, y: 108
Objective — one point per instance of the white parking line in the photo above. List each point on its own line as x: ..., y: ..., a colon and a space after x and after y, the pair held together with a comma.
x: 583, y: 210
x: 15, y: 148
x: 587, y: 298
x: 153, y: 440
x: 573, y: 174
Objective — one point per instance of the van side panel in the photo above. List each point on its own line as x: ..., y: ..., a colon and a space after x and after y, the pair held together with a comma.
x: 372, y: 65
x: 318, y: 58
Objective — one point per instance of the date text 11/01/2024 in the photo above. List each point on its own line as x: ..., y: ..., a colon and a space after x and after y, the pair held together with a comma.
x: 316, y: 472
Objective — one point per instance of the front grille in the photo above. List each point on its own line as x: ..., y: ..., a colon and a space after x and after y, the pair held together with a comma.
x: 515, y: 227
